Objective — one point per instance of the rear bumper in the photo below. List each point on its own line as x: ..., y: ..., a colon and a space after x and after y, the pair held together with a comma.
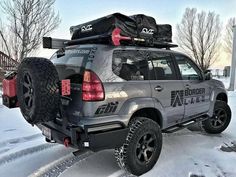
x: 81, y: 139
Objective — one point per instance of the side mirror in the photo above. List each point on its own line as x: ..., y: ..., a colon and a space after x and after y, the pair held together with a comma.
x: 208, y: 75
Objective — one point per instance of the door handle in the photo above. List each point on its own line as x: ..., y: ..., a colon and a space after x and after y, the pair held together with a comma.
x: 158, y: 88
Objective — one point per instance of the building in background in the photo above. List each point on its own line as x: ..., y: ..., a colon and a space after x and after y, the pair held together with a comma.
x: 216, y: 72
x: 226, y: 71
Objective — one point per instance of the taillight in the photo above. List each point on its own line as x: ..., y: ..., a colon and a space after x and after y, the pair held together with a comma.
x: 92, y: 88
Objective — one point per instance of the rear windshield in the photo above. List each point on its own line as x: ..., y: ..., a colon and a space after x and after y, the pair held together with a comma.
x: 70, y: 57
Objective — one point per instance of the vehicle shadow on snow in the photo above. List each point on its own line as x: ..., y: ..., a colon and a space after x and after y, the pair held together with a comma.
x: 102, y: 164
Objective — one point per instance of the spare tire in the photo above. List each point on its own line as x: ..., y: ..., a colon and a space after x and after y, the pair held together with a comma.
x: 37, y: 90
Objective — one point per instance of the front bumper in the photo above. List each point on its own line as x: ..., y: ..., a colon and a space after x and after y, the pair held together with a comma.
x: 80, y: 138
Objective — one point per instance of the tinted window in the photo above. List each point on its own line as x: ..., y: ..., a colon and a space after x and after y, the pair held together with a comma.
x: 162, y: 67
x: 70, y: 63
x: 188, y: 70
x: 130, y: 65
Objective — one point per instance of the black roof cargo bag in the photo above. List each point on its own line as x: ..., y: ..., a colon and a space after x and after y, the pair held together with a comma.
x: 164, y: 33
x: 131, y: 30
x: 146, y: 26
x: 105, y: 26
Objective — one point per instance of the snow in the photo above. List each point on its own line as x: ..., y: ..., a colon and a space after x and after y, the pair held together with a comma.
x: 102, y: 164
x: 184, y: 153
x: 24, y: 165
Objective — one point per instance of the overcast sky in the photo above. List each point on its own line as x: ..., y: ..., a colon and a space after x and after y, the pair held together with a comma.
x: 74, y: 12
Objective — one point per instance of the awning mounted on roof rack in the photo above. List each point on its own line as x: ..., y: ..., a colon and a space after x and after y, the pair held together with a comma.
x: 52, y: 43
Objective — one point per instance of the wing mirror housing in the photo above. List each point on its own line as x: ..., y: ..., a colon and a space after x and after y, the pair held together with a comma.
x: 208, y: 75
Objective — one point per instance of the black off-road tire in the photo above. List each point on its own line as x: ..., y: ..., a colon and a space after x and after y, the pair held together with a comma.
x: 37, y: 90
x: 220, y: 119
x: 128, y: 155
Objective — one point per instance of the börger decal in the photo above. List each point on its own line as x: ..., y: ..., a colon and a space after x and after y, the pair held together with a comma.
x: 187, y: 96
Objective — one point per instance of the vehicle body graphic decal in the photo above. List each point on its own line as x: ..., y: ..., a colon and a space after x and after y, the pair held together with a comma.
x: 107, y: 108
x: 187, y: 96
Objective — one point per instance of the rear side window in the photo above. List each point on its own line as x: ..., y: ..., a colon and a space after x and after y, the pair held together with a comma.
x: 162, y: 67
x: 130, y: 65
x: 70, y: 63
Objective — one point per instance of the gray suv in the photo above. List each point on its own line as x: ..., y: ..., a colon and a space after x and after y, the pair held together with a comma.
x: 98, y: 96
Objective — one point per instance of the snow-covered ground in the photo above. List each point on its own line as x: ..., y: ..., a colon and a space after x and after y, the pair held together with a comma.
x: 23, y: 152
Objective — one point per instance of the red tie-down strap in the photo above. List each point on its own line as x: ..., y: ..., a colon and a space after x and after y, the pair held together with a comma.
x: 65, y: 87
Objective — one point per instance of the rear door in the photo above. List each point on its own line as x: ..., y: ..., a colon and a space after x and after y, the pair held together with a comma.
x: 166, y: 87
x: 196, y: 89
x: 70, y: 64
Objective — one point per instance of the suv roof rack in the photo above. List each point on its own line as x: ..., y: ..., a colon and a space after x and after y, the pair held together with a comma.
x: 116, y: 39
x: 118, y: 29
